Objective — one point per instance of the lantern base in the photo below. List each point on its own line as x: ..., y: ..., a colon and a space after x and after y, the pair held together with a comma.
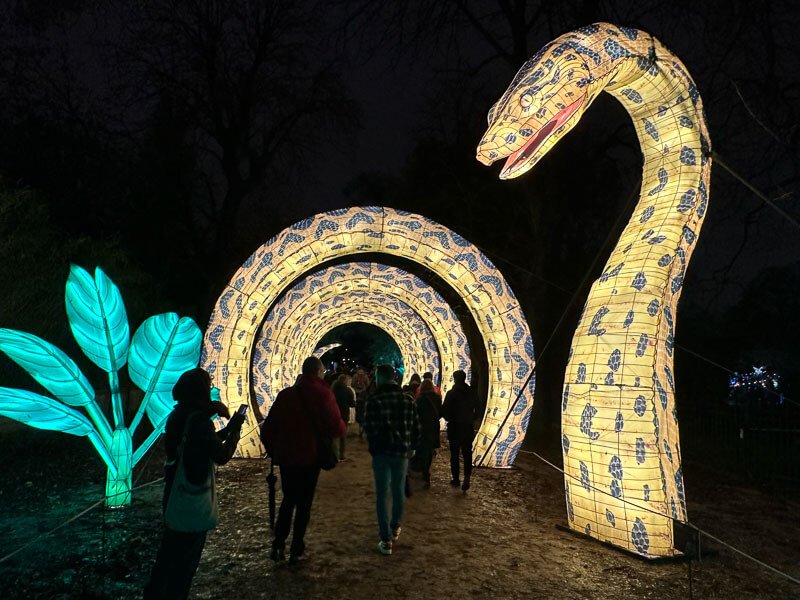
x: 677, y: 558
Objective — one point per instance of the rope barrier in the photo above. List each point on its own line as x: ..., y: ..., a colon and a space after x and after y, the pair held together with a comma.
x: 686, y: 523
x: 71, y: 519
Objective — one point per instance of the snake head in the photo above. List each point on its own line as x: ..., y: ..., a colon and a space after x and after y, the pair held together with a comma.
x: 544, y: 101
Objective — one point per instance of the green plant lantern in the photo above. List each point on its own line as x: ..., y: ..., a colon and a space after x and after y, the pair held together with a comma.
x: 163, y: 348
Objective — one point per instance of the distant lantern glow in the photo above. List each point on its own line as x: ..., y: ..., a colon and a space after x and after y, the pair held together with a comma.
x: 162, y: 349
x: 304, y: 247
x: 619, y: 421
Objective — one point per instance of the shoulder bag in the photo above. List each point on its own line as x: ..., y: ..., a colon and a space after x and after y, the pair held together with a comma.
x: 191, y: 507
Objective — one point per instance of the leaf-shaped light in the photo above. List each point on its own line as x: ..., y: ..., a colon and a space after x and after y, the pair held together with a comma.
x: 42, y: 412
x: 159, y: 407
x: 97, y: 317
x: 162, y: 349
x: 48, y: 365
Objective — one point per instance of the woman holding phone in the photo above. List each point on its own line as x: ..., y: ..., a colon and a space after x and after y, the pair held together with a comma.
x: 193, y: 450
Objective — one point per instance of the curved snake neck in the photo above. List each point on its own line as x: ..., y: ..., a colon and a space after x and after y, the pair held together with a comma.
x: 619, y: 423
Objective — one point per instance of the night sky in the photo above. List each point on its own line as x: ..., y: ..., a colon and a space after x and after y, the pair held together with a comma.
x: 109, y: 124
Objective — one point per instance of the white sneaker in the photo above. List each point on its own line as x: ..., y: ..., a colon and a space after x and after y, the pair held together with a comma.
x: 396, y: 532
x: 385, y: 547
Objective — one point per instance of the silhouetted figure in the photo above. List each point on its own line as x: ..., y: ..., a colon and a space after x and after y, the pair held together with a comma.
x: 429, y: 409
x: 392, y: 428
x: 460, y: 410
x: 189, y: 424
x: 361, y: 382
x: 428, y: 376
x: 345, y: 399
x: 291, y: 432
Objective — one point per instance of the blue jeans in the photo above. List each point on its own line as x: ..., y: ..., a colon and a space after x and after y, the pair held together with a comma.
x: 390, y: 472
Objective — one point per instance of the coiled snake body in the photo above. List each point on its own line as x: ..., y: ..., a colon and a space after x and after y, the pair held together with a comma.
x: 623, y: 483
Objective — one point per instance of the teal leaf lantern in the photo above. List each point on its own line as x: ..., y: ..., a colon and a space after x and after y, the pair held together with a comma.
x: 97, y: 317
x: 42, y: 412
x: 163, y: 348
x: 48, y: 365
x: 56, y: 372
x: 99, y: 324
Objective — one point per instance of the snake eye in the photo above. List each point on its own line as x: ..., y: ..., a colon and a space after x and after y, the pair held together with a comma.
x: 525, y: 100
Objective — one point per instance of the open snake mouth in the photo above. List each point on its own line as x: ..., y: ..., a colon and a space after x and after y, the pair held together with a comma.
x: 515, y: 161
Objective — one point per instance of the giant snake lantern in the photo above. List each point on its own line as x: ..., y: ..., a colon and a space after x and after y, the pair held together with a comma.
x: 622, y: 460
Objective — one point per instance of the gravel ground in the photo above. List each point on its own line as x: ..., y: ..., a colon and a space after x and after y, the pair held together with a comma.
x: 499, y: 540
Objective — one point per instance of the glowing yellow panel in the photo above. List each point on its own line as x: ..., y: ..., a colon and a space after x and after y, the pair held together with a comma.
x: 624, y: 482
x: 304, y: 246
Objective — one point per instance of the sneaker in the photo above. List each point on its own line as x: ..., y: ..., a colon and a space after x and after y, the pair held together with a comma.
x: 277, y: 554
x: 385, y: 547
x: 296, y: 558
x: 455, y: 482
x: 396, y: 532
x: 465, y: 485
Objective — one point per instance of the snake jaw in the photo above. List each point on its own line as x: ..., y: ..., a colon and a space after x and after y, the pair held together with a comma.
x: 525, y: 157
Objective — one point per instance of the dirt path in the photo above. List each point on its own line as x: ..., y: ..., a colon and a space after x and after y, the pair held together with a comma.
x: 497, y: 541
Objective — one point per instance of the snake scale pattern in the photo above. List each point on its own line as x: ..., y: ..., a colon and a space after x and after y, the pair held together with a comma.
x: 623, y: 482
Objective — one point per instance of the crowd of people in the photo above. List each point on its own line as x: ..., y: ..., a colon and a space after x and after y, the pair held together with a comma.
x: 305, y: 431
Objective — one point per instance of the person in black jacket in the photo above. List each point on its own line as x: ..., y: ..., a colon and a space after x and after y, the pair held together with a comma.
x: 460, y: 410
x: 429, y: 409
x: 179, y: 554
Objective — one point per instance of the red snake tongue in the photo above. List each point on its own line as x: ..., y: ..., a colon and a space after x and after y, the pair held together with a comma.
x: 519, y: 157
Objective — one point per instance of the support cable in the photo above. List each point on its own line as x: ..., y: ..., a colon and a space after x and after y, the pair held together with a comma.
x: 611, y: 232
x: 715, y: 157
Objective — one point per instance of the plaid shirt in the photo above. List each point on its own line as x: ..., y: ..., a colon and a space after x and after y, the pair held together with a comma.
x: 391, y: 422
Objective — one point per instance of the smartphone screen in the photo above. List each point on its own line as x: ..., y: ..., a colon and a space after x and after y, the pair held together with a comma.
x: 242, y: 409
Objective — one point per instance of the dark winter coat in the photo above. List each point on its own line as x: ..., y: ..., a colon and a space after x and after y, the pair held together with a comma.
x: 460, y: 410
x: 203, y: 445
x: 429, y: 409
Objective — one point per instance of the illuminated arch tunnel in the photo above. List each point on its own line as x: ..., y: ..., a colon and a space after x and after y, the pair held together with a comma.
x: 295, y: 324
x: 298, y: 286
x: 280, y: 350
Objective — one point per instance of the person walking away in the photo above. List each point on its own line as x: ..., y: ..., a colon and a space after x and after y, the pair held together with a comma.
x: 413, y: 385
x: 345, y: 399
x: 460, y: 410
x: 190, y: 433
x: 428, y: 376
x: 429, y: 409
x: 392, y: 428
x: 290, y: 433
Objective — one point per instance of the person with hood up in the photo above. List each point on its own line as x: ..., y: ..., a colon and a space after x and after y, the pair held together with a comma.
x: 192, y: 443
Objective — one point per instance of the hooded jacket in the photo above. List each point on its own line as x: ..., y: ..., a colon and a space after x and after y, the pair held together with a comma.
x: 203, y: 445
